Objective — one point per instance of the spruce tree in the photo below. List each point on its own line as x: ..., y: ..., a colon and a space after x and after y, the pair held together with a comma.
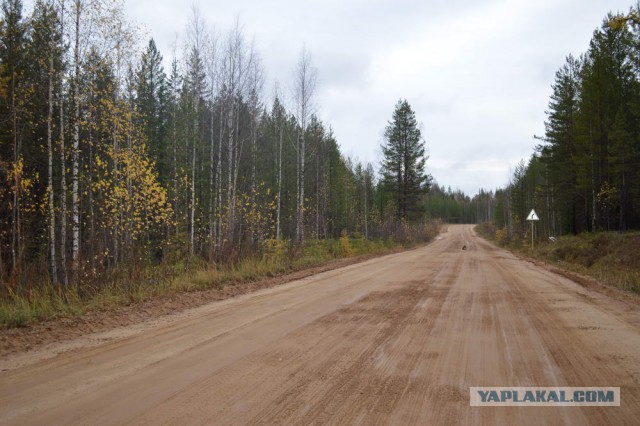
x: 15, y: 92
x: 403, y: 172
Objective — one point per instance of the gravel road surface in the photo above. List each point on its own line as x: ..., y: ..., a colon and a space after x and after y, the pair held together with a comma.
x: 393, y: 340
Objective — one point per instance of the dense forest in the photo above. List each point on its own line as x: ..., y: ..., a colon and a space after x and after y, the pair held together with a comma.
x: 585, y: 172
x: 110, y: 162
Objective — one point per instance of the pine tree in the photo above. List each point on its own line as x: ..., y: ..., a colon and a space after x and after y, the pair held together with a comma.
x: 403, y: 164
x: 606, y: 79
x: 561, y: 138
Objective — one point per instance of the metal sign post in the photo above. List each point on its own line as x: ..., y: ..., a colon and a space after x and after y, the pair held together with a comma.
x: 532, y: 218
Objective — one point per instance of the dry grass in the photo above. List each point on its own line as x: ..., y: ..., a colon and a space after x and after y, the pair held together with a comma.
x: 612, y: 258
x: 122, y: 287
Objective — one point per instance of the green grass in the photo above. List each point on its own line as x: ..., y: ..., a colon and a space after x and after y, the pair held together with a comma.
x: 612, y: 258
x: 24, y: 309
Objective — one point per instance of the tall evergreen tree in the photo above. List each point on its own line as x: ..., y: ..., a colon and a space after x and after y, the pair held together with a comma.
x: 606, y: 77
x: 195, y: 88
x: 560, y: 150
x: 12, y: 111
x: 403, y: 165
x: 151, y: 102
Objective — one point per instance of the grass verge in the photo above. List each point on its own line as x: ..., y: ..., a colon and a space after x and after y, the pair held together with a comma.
x: 46, y: 302
x: 611, y: 258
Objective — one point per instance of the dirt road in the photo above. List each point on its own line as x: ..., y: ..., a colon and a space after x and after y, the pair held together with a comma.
x: 397, y: 339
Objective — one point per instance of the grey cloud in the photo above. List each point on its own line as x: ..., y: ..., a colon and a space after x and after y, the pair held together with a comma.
x: 478, y: 74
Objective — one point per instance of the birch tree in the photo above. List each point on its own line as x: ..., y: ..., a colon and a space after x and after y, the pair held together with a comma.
x: 63, y: 155
x: 303, y: 93
x: 278, y: 115
x: 213, y: 82
x: 255, y: 86
x: 78, y: 8
x: 236, y: 63
x: 46, y: 51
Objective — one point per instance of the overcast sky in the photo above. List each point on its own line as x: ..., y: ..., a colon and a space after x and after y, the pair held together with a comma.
x: 477, y: 73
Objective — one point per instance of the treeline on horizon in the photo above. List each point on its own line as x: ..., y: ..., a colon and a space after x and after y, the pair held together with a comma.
x: 110, y: 162
x: 584, y: 175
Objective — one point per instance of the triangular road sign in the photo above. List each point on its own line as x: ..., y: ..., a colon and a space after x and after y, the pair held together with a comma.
x: 533, y: 215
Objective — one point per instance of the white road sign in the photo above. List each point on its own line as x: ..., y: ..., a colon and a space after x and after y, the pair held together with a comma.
x: 533, y: 215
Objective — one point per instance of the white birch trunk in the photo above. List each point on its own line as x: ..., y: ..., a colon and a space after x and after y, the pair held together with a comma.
x: 304, y: 89
x: 75, y: 155
x: 52, y: 213
x: 219, y: 186
x: 230, y: 147
x: 192, y: 211
x: 63, y: 179
x: 279, y: 178
x: 211, y: 182
x: 301, y: 199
